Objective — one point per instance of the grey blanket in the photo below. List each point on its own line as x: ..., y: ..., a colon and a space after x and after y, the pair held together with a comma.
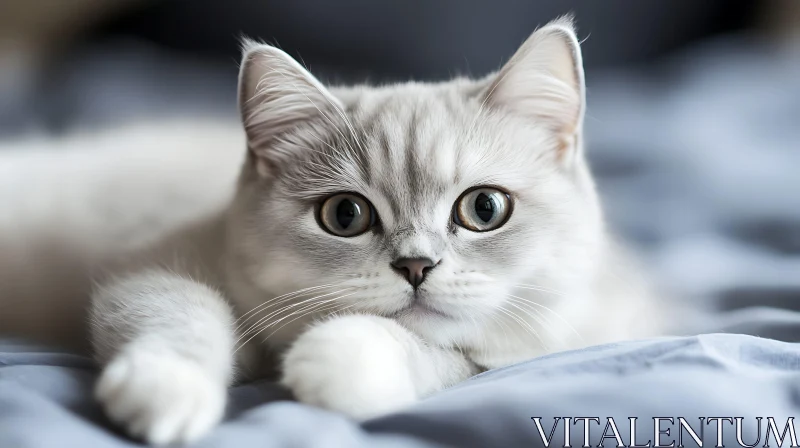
x: 45, y: 401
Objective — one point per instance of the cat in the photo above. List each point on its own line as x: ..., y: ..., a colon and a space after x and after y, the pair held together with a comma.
x: 380, y: 243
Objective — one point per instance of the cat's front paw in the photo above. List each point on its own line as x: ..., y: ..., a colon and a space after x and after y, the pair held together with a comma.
x: 160, y: 398
x: 352, y: 364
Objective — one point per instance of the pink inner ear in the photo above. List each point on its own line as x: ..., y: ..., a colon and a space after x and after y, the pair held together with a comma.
x: 279, y: 99
x: 543, y: 81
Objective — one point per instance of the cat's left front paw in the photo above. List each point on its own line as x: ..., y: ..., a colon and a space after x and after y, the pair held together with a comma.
x: 351, y: 364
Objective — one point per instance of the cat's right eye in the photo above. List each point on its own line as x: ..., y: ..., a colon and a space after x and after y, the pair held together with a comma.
x: 346, y: 214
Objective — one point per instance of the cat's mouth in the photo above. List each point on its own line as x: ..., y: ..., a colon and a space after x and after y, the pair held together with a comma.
x: 418, y: 308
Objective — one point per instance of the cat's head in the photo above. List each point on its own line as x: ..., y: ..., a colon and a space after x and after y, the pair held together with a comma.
x: 428, y: 203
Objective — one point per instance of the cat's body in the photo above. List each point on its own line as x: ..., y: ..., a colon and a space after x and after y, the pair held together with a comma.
x: 74, y: 204
x: 426, y: 294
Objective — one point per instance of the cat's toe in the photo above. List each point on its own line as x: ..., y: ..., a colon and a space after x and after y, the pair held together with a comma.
x: 161, y: 399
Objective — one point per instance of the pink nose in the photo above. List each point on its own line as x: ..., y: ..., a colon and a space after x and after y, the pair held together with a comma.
x: 414, y: 269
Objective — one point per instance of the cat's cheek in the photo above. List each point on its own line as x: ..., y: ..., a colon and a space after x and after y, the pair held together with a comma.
x: 350, y: 364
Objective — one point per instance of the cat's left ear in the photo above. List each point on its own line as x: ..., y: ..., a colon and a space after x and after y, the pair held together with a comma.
x: 284, y: 109
x: 544, y: 82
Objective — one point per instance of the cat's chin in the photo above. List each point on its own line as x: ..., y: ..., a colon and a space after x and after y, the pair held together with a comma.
x: 423, y: 320
x: 433, y: 326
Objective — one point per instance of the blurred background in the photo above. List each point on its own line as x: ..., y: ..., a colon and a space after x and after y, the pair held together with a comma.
x: 693, y: 121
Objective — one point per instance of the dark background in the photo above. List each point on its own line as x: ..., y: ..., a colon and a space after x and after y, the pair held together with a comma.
x: 89, y: 62
x: 396, y: 39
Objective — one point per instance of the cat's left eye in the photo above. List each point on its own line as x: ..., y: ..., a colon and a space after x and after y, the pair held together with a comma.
x: 482, y: 209
x: 346, y: 214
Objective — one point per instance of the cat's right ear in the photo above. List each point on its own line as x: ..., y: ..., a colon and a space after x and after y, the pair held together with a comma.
x: 283, y: 107
x: 543, y: 82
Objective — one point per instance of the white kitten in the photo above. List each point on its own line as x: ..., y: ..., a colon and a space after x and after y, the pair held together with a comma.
x: 387, y: 241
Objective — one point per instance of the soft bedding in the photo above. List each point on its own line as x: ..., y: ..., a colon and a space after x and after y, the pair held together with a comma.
x: 45, y: 400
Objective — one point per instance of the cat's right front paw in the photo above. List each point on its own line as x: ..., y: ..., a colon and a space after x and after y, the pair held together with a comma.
x: 161, y: 398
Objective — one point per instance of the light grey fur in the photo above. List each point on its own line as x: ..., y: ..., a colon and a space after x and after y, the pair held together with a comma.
x: 352, y: 334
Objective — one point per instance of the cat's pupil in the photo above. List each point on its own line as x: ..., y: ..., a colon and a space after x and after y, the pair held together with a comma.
x: 484, y: 207
x: 346, y: 212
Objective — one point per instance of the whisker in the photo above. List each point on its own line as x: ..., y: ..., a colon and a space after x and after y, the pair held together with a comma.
x: 263, y: 307
x: 504, y: 327
x: 525, y: 326
x: 535, y: 314
x: 484, y: 342
x: 534, y: 288
x: 283, y: 309
x: 311, y: 305
x: 267, y: 325
x: 288, y: 307
x: 325, y: 308
x: 290, y: 294
x: 308, y: 309
x: 543, y: 321
x: 534, y: 303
